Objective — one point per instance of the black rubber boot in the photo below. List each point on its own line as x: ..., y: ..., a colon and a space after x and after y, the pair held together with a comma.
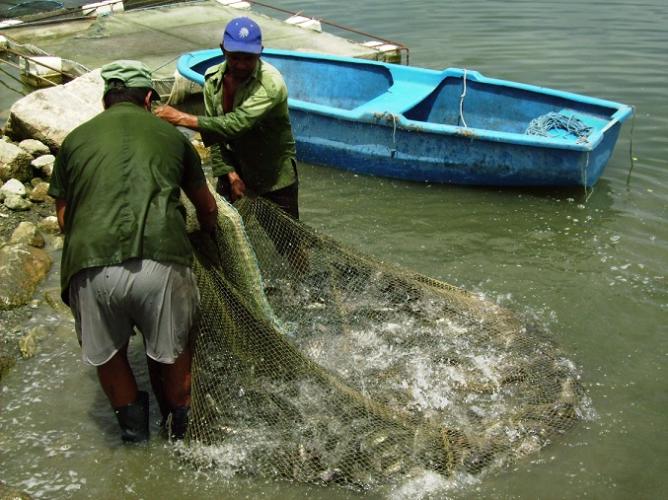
x: 133, y: 419
x: 178, y: 422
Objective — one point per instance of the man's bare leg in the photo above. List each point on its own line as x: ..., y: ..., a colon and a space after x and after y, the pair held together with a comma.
x: 158, y: 386
x: 130, y: 405
x: 176, y: 389
x: 117, y: 380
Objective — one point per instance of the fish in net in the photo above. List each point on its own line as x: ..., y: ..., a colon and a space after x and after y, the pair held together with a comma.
x: 315, y: 363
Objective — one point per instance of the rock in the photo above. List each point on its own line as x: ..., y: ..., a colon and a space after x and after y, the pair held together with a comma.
x: 34, y: 147
x: 44, y: 165
x: 57, y: 242
x: 6, y: 363
x: 28, y: 343
x: 48, y: 115
x: 49, y: 225
x: 14, y: 162
x: 7, y: 493
x: 39, y: 193
x: 27, y: 233
x: 13, y: 187
x: 17, y: 203
x: 28, y: 346
x: 22, y: 268
x: 52, y: 297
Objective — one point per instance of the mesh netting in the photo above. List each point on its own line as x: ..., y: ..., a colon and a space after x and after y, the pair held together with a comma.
x: 315, y: 363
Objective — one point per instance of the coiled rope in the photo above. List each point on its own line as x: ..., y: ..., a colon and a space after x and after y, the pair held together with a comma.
x: 542, y: 126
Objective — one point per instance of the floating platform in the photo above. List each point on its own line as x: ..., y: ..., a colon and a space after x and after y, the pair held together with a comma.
x: 96, y: 34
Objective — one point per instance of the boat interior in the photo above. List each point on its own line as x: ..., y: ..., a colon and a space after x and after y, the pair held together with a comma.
x: 499, y: 107
x: 452, y: 97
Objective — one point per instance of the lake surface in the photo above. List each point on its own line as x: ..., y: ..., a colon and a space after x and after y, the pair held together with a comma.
x: 589, y: 268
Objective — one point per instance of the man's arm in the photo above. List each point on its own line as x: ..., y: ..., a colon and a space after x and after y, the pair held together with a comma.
x: 205, y: 206
x: 61, y: 205
x: 230, y: 125
x: 176, y: 117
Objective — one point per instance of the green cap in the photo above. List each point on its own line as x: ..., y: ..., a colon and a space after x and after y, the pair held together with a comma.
x: 132, y: 74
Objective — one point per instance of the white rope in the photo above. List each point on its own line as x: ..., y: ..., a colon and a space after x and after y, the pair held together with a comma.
x: 588, y: 193
x: 461, y: 102
x: 631, y: 157
x: 394, y: 131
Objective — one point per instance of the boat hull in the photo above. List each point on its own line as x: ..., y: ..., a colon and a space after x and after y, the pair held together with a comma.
x: 429, y: 157
x: 454, y: 126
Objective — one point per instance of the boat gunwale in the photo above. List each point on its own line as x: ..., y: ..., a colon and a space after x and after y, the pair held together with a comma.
x: 366, y: 114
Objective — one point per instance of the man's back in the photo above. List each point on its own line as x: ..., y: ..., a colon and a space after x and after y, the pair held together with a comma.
x: 120, y: 175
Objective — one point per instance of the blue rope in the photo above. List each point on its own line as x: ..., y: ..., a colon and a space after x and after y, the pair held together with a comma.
x: 557, y: 121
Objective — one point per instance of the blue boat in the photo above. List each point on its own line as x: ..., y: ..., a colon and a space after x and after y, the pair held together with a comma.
x: 452, y: 126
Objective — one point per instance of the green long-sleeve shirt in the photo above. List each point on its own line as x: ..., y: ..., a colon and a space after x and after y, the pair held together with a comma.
x: 255, y: 138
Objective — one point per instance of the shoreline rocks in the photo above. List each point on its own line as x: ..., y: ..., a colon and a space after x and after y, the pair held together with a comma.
x: 29, y: 232
x: 14, y: 162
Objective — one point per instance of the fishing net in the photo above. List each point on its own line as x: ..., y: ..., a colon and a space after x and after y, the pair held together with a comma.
x: 315, y: 363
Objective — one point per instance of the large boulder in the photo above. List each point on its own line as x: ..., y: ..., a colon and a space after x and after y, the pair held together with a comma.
x: 14, y: 162
x: 48, y: 115
x: 22, y: 268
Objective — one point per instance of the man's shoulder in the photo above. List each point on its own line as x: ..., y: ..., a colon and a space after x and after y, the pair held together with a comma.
x: 213, y: 71
x: 83, y: 130
x: 271, y: 78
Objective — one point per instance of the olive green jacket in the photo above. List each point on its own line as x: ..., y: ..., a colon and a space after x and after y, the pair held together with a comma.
x: 120, y: 176
x: 255, y: 138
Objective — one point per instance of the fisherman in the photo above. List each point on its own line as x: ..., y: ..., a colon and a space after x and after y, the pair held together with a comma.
x: 246, y: 125
x: 126, y: 259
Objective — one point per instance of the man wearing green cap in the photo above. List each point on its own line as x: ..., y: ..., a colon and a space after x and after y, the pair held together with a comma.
x: 246, y: 123
x: 126, y: 259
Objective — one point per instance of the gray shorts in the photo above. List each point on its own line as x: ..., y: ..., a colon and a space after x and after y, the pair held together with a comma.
x: 160, y: 299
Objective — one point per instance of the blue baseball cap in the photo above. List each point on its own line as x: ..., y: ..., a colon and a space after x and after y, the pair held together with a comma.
x: 242, y: 34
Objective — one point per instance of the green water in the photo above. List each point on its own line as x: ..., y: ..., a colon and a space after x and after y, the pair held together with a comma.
x: 592, y: 271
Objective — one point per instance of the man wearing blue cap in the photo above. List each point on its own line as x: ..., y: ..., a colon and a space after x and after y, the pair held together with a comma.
x: 126, y: 258
x: 246, y: 122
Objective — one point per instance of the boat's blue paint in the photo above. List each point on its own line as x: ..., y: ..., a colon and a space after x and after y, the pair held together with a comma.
x: 405, y: 122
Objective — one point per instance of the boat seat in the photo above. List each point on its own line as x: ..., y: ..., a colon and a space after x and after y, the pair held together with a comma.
x: 398, y: 99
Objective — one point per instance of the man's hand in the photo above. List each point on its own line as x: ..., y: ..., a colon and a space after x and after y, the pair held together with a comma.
x: 176, y: 117
x: 237, y: 186
x: 205, y: 206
